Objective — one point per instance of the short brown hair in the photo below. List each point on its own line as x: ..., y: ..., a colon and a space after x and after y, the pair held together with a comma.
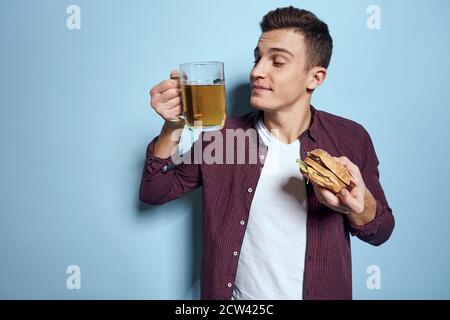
x: 319, y: 44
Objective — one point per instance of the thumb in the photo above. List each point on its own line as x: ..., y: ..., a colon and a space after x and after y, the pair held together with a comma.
x: 174, y: 74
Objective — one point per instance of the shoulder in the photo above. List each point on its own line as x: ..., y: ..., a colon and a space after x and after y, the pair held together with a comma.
x: 340, y: 124
x: 344, y: 136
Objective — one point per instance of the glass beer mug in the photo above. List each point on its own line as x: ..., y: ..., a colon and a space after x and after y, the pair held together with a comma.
x: 203, y: 95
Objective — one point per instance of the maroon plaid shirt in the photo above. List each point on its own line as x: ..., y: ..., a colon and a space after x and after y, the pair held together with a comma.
x: 228, y: 191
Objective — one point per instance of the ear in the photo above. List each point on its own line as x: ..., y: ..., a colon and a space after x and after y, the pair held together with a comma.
x: 316, y: 76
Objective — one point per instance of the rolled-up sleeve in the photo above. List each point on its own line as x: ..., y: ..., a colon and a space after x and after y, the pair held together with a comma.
x: 163, y: 180
x: 377, y: 231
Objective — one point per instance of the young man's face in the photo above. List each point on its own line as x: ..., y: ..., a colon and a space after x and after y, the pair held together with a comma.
x: 280, y: 67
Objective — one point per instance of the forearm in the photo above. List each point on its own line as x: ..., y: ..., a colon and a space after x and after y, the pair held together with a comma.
x: 370, y: 209
x: 168, y: 139
x: 158, y: 184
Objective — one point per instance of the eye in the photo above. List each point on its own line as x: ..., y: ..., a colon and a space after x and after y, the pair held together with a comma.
x: 256, y: 61
x: 278, y: 63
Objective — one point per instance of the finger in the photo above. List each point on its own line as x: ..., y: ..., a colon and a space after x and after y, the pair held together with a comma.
x: 346, y: 162
x: 353, y: 169
x: 172, y: 114
x: 174, y: 74
x: 341, y: 160
x: 356, y: 177
x: 329, y: 199
x: 172, y: 103
x: 355, y: 204
x: 164, y: 86
x: 343, y: 207
x: 169, y: 95
x: 358, y: 193
x: 357, y: 180
x: 325, y: 196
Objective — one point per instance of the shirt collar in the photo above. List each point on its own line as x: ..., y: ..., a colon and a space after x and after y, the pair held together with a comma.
x: 311, y: 131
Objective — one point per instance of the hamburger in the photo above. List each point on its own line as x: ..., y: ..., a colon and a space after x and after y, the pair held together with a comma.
x: 320, y: 167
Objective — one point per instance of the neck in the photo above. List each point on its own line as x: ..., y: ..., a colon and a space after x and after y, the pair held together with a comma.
x: 289, y: 123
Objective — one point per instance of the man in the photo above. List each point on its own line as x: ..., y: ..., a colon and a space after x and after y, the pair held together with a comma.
x: 274, y: 236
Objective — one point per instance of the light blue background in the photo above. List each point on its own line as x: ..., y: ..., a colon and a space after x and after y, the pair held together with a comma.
x: 75, y: 122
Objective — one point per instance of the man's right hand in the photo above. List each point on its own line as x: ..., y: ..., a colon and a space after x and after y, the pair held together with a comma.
x: 166, y: 98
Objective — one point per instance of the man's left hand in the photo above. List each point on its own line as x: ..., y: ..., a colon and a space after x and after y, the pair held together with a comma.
x: 358, y: 203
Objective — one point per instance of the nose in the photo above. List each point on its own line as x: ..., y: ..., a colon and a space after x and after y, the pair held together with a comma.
x: 258, y: 71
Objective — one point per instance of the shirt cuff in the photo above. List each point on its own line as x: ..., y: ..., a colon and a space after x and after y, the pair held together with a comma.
x: 371, y: 228
x: 156, y: 164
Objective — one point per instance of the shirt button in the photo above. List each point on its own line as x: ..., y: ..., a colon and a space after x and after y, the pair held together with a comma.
x: 261, y: 157
x: 249, y: 189
x: 229, y: 285
x: 235, y: 253
x: 242, y: 222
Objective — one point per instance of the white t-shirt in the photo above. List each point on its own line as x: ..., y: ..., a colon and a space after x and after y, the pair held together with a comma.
x: 272, y: 258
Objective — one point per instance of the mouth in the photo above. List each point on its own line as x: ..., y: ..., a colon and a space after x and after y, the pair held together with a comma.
x: 257, y: 89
